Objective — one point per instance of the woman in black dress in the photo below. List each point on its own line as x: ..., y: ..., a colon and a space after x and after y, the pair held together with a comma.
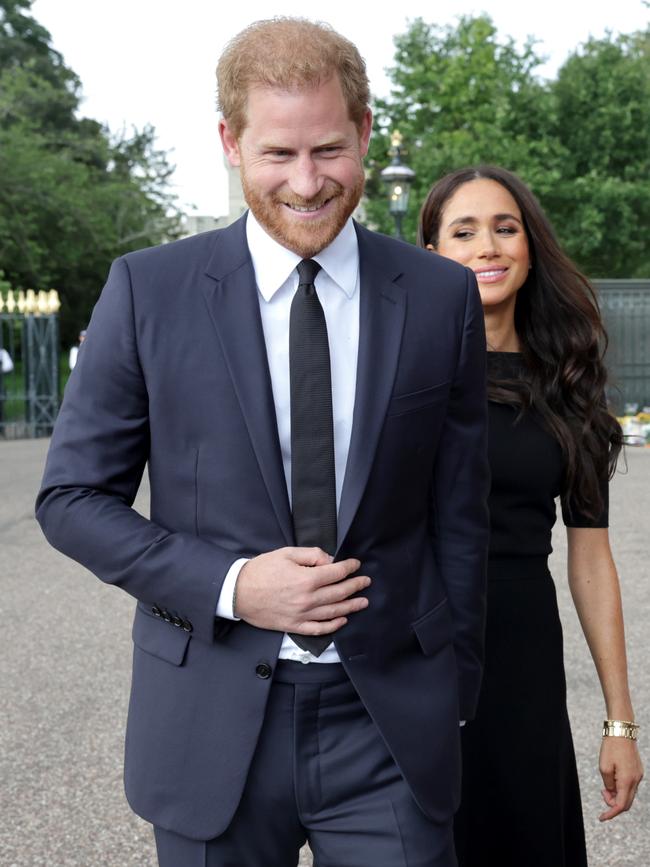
x: 550, y: 436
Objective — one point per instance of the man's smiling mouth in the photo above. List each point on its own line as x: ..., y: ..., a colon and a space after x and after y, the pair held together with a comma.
x: 307, y: 209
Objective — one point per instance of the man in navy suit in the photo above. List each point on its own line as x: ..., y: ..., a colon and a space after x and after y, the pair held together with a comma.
x: 284, y: 691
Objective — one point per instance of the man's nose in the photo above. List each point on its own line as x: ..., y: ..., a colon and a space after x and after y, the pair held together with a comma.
x: 306, y: 180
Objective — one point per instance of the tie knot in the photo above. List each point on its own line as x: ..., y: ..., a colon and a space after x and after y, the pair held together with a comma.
x: 307, y: 270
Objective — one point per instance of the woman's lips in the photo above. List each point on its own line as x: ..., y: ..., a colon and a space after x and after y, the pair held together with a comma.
x: 491, y: 275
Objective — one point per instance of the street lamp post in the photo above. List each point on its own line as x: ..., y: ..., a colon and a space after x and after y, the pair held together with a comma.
x: 398, y: 178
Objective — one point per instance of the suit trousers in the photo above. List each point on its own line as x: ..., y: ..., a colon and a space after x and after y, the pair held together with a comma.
x: 321, y: 773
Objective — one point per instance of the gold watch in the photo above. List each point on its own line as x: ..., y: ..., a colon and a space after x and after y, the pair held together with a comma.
x: 618, y: 728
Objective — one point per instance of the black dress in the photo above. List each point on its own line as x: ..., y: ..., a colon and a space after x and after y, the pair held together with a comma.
x: 520, y: 798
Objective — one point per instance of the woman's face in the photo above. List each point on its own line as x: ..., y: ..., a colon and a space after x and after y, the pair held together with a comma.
x: 481, y: 227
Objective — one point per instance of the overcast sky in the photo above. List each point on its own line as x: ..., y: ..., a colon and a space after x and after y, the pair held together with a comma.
x: 152, y: 61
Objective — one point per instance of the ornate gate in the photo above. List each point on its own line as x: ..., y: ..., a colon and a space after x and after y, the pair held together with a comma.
x: 29, y: 363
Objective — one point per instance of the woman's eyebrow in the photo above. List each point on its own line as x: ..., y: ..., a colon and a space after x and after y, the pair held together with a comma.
x: 470, y: 219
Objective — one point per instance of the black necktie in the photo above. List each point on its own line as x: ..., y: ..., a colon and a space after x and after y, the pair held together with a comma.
x: 313, y: 484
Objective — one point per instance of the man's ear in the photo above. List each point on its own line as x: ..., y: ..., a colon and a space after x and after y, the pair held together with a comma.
x: 364, y: 132
x: 230, y: 143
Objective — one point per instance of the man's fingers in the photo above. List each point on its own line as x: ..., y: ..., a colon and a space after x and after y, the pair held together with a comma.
x: 330, y: 612
x: 309, y: 556
x: 287, y: 588
x: 332, y: 573
x: 330, y: 594
x: 320, y: 627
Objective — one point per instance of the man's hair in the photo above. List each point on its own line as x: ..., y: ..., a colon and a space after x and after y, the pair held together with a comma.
x: 288, y: 54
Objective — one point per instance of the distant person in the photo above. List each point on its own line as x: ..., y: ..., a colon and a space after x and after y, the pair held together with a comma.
x: 550, y: 435
x: 6, y: 366
x: 6, y: 362
x: 74, y: 350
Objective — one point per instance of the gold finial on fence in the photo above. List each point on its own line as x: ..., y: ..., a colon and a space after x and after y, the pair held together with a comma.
x: 53, y: 301
x: 30, y: 301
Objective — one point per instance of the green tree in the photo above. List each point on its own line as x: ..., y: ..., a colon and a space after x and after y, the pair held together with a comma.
x: 72, y: 196
x: 601, y: 209
x: 461, y: 95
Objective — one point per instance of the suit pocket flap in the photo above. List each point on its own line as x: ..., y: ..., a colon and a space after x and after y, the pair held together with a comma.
x: 402, y: 403
x: 434, y: 629
x: 159, y: 638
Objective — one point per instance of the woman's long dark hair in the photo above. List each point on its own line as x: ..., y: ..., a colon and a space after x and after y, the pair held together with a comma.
x: 563, y: 342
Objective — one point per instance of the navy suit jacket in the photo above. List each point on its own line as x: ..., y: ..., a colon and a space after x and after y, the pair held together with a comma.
x: 174, y: 375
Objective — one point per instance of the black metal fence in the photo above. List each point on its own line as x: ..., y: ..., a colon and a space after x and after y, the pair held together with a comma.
x: 29, y: 364
x: 29, y: 354
x: 625, y: 306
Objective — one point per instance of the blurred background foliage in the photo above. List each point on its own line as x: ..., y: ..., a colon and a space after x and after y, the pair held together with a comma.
x: 74, y: 195
x: 463, y: 95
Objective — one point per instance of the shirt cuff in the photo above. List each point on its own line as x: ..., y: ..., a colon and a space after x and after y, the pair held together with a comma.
x: 224, y: 605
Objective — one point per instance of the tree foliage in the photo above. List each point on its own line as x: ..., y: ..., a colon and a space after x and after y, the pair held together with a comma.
x: 462, y: 95
x: 602, y: 120
x: 73, y: 196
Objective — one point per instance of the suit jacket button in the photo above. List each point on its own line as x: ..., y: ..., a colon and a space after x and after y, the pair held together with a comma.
x: 187, y: 626
x: 263, y: 670
x: 166, y: 616
x: 176, y: 620
x: 156, y: 611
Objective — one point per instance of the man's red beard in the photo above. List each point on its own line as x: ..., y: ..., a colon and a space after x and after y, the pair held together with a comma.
x: 272, y: 211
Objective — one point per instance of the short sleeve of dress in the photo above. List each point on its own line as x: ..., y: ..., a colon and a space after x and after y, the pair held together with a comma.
x: 573, y: 517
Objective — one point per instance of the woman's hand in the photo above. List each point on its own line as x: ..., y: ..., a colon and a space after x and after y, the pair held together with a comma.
x: 622, y: 771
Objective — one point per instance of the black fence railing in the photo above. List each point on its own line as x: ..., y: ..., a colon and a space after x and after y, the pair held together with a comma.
x: 29, y: 355
x: 625, y: 306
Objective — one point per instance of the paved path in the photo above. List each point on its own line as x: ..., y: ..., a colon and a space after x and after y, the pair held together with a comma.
x: 64, y: 675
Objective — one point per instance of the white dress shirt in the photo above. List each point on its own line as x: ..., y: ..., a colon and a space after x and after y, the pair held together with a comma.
x: 337, y: 284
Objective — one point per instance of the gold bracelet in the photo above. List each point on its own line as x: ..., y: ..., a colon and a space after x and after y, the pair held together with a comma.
x: 619, y: 728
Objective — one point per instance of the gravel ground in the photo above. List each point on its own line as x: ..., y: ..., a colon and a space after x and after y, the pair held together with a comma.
x: 65, y: 680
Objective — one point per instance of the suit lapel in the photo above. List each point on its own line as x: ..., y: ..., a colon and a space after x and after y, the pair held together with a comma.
x: 381, y: 323
x: 234, y: 309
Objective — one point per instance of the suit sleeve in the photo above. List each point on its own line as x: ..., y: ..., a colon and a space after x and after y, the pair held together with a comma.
x: 94, y: 467
x: 460, y: 524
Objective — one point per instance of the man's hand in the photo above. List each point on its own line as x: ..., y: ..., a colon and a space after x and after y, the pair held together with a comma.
x: 299, y: 590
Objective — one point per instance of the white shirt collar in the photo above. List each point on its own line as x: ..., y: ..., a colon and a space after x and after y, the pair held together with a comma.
x: 273, y: 263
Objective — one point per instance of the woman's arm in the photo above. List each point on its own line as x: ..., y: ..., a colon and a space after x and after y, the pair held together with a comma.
x: 597, y: 597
